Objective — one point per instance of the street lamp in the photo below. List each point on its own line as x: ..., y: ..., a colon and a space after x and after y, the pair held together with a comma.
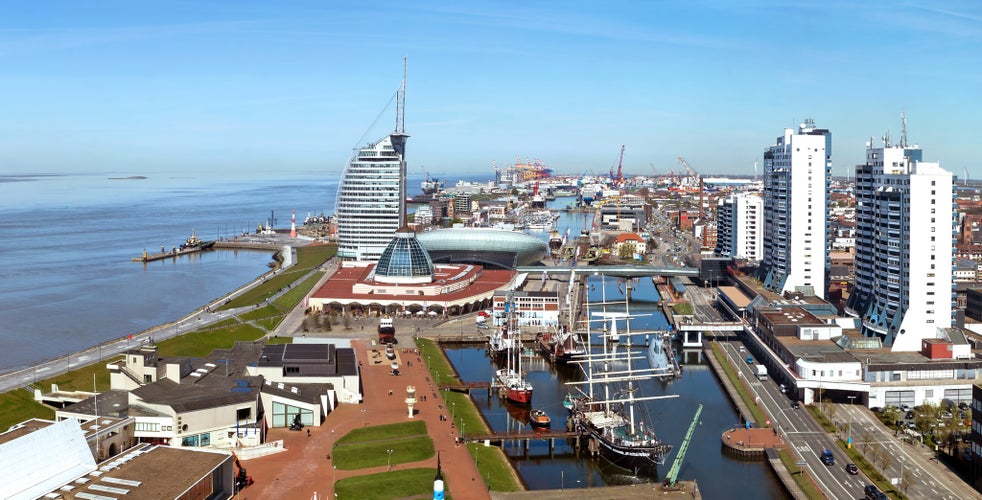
x: 849, y: 440
x: 389, y: 462
x: 453, y: 409
x: 363, y: 417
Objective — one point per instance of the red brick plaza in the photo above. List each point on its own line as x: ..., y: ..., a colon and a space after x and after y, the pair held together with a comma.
x: 305, y: 469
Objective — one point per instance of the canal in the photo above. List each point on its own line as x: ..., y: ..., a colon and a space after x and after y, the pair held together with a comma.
x: 719, y: 475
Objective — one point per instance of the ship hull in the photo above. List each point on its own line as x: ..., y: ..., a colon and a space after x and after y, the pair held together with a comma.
x: 637, y: 459
x: 518, y: 396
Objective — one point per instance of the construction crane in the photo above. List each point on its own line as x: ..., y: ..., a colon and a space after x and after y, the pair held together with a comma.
x: 673, y: 474
x: 618, y: 179
x: 689, y: 171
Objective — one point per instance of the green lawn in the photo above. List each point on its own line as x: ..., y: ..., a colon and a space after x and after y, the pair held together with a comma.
x: 279, y: 340
x: 199, y: 343
x: 308, y: 258
x: 290, y: 299
x: 373, y: 453
x: 408, y: 483
x: 80, y: 378
x: 18, y: 405
x: 383, y: 432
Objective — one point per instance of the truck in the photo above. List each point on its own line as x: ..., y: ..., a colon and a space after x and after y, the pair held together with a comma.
x: 761, y: 372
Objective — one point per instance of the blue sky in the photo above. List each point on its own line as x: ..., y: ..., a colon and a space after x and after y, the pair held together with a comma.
x: 229, y: 87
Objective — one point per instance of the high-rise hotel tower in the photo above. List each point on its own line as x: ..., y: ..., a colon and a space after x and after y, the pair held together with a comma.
x: 903, y: 290
x: 797, y: 171
x: 371, y: 196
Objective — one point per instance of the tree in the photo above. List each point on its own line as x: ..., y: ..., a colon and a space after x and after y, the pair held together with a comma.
x: 866, y: 437
x: 626, y: 251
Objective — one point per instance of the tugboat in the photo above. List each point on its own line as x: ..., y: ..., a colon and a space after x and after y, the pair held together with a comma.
x: 539, y: 419
x: 195, y: 243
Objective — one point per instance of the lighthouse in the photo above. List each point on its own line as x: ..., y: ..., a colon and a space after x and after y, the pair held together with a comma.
x: 293, y: 224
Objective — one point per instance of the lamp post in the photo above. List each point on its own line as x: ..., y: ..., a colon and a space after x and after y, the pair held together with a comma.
x: 453, y: 410
x: 389, y: 461
x: 363, y: 417
x: 849, y: 440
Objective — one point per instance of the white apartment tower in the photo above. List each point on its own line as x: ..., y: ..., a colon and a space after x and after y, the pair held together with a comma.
x: 371, y: 199
x: 797, y: 171
x: 904, y: 231
x: 739, y: 226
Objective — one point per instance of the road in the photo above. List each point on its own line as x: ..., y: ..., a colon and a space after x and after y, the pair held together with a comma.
x: 929, y: 479
x: 801, y: 432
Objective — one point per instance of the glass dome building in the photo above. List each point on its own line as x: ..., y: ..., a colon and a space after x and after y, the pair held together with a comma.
x: 404, y: 261
x: 489, y: 247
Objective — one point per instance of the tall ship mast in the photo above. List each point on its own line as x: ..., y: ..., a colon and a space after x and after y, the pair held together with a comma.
x: 608, y: 411
x: 510, y: 380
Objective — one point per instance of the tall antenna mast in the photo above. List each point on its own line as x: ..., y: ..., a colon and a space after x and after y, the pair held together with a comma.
x: 401, y: 101
x: 903, y: 129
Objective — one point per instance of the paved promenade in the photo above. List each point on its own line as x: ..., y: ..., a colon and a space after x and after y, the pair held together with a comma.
x: 305, y: 467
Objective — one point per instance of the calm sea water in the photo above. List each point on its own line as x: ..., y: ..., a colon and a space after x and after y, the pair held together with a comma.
x: 66, y: 242
x: 719, y: 475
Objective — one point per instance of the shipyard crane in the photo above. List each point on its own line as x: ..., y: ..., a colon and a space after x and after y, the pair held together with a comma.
x: 618, y: 179
x: 689, y: 171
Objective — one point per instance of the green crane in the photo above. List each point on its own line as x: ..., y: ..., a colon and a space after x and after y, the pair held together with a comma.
x: 673, y: 473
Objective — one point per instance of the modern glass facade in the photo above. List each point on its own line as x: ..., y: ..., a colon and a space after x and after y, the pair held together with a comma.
x: 370, y: 199
x: 404, y: 261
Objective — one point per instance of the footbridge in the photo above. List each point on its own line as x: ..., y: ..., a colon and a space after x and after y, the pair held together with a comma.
x: 621, y: 271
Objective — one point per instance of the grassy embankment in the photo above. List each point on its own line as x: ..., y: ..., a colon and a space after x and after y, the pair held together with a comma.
x: 491, y: 461
x: 18, y: 405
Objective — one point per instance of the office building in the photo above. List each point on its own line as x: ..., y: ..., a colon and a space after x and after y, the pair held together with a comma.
x: 797, y: 171
x: 739, y: 227
x: 904, y: 233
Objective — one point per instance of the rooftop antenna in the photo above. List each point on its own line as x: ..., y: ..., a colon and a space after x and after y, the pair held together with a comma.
x: 903, y: 129
x: 401, y: 101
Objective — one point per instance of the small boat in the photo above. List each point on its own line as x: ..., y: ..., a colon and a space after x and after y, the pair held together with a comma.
x: 539, y: 419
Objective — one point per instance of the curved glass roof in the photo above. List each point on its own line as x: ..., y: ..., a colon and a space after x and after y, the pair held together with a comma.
x: 527, y: 248
x: 404, y: 260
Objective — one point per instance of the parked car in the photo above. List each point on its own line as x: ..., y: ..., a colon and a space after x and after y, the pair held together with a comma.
x: 852, y: 469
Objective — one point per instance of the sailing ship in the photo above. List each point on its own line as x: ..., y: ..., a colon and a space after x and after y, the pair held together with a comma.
x: 561, y: 347
x: 609, y: 409
x: 510, y: 380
